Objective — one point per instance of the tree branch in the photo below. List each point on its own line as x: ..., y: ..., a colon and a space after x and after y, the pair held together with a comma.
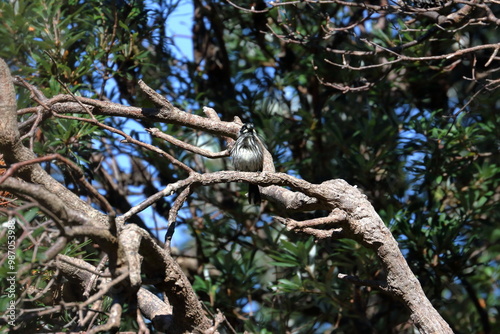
x: 136, y: 252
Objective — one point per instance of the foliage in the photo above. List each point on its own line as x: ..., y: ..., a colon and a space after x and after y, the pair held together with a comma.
x: 419, y: 135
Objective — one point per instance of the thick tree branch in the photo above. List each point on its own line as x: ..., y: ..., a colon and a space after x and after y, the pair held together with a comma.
x: 357, y: 220
x: 133, y: 240
x: 188, y: 314
x: 14, y: 151
x: 80, y: 273
x: 133, y: 252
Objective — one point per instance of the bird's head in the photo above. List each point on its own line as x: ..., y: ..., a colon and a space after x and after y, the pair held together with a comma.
x: 247, y: 128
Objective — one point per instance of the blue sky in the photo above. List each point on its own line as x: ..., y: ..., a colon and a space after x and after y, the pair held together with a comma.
x: 179, y: 26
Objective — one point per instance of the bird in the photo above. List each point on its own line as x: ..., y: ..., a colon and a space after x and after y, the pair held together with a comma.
x: 248, y: 156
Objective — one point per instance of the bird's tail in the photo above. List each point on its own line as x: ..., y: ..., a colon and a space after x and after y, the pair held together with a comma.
x: 253, y: 194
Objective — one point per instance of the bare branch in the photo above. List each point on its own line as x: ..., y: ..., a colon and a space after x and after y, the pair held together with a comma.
x: 65, y: 104
x: 129, y: 139
x: 113, y: 322
x: 206, y: 153
x: 251, y: 10
x: 174, y: 283
x: 14, y: 167
x: 172, y: 215
x: 336, y: 218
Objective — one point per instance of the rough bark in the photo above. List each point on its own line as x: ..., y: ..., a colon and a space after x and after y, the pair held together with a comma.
x: 133, y: 252
x: 76, y: 218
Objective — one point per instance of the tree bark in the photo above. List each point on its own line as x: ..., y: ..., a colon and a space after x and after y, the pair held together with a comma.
x: 133, y: 251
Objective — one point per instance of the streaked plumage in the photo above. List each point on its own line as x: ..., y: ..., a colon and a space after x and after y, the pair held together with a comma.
x: 248, y: 156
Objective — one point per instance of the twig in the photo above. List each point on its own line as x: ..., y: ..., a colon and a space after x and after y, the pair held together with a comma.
x: 129, y: 139
x: 219, y: 318
x: 91, y: 282
x: 113, y: 322
x: 81, y: 178
x: 143, y: 329
x: 172, y: 215
x: 195, y: 149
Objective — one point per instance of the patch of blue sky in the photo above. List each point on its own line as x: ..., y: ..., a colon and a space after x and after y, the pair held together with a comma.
x: 149, y: 216
x: 178, y: 25
x: 270, y: 71
x: 180, y: 238
x: 177, y: 38
x: 250, y: 307
x: 178, y: 28
x: 406, y: 138
x: 323, y: 327
x: 294, y: 100
x: 264, y: 220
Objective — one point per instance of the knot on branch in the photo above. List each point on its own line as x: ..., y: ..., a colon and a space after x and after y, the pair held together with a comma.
x: 331, y: 226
